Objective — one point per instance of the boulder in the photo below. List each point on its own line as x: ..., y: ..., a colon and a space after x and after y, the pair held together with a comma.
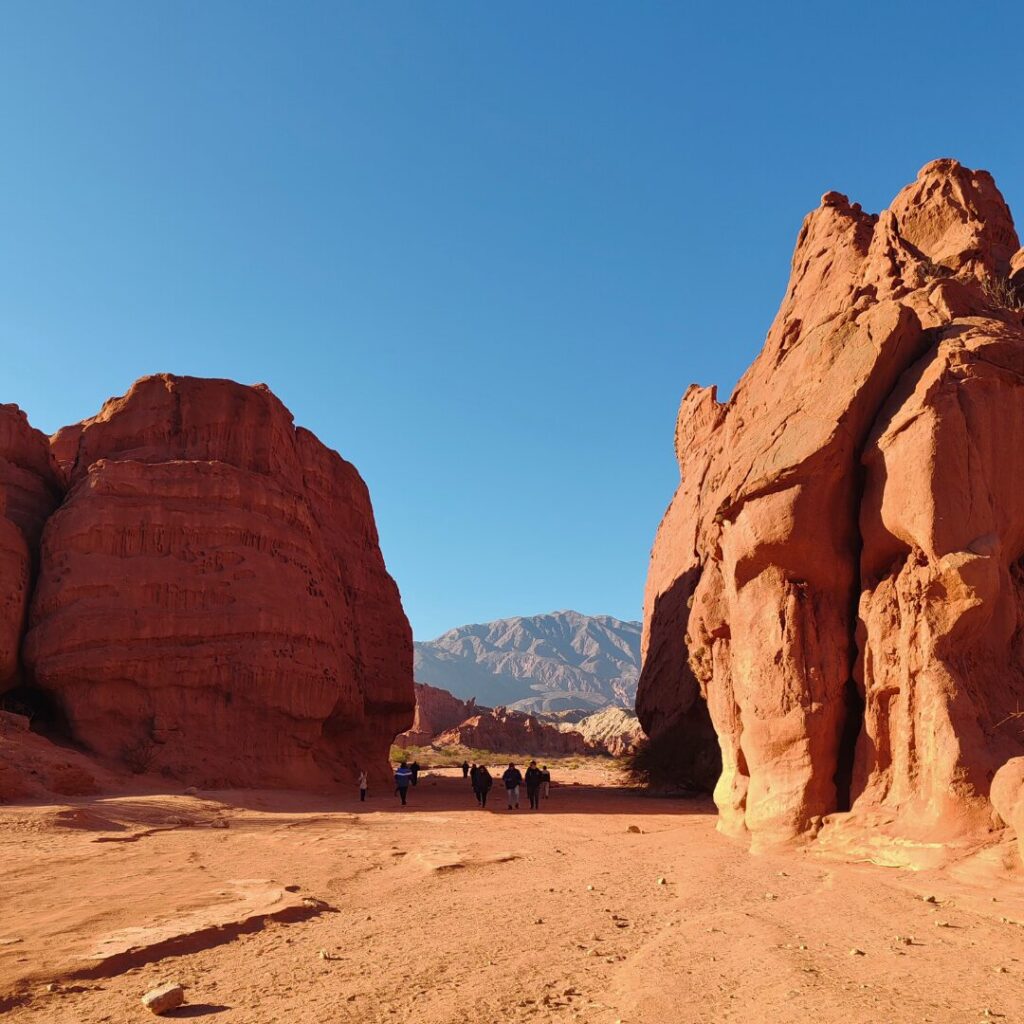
x: 212, y: 601
x: 163, y: 999
x: 837, y: 579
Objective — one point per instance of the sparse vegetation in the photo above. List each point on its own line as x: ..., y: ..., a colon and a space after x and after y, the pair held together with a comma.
x: 452, y: 757
x: 1004, y: 293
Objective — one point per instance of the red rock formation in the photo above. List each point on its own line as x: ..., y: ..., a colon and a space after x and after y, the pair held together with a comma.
x: 861, y: 463
x: 1008, y: 797
x: 212, y: 600
x: 30, y: 488
x: 437, y: 711
x: 33, y: 768
x: 511, y: 732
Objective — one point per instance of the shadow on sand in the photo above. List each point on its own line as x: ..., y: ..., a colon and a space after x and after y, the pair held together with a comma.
x: 195, y: 1010
x: 446, y: 791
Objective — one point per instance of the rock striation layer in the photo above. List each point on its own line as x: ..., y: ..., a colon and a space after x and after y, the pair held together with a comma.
x: 211, y: 599
x: 838, y: 580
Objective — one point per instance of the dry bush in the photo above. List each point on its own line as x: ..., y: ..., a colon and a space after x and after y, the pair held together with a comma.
x: 1004, y: 293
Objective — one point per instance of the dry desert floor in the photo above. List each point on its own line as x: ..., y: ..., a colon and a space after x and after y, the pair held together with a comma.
x: 606, y: 905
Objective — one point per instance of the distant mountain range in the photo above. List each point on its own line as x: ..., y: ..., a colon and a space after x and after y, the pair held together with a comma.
x: 562, y: 661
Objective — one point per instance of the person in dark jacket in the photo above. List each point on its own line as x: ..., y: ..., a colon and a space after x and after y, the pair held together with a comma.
x: 474, y: 781
x: 465, y: 768
x: 513, y: 778
x: 484, y: 783
x: 415, y: 769
x: 534, y: 778
x: 545, y: 781
x: 403, y: 776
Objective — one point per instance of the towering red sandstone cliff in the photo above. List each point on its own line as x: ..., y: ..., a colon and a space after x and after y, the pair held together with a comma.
x: 30, y: 488
x: 212, y: 601
x: 839, y: 574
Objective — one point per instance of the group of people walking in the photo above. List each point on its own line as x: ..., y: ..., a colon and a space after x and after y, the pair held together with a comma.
x: 538, y: 781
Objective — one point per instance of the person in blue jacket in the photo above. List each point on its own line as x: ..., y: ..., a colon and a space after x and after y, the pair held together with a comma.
x: 403, y: 777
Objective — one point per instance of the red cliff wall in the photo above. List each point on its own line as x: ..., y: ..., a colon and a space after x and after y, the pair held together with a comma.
x: 30, y: 488
x: 839, y: 574
x: 212, y: 601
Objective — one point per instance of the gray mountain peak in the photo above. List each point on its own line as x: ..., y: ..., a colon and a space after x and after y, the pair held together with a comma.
x: 555, y: 662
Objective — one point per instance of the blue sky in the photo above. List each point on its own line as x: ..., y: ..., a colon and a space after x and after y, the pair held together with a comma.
x: 479, y: 248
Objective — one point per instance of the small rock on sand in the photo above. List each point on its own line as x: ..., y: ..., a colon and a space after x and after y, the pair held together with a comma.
x: 166, y: 997
x: 634, y: 828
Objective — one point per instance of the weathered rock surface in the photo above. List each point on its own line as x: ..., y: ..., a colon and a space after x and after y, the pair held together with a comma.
x: 30, y: 489
x: 437, y: 711
x: 839, y: 574
x: 503, y: 731
x: 33, y: 768
x: 212, y: 602
x: 1008, y: 797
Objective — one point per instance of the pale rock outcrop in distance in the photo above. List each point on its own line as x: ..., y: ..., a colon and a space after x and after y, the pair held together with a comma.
x: 539, y: 663
x: 211, y: 599
x: 613, y: 730
x: 839, y: 574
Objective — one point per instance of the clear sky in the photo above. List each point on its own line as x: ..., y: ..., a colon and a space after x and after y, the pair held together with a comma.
x: 480, y: 248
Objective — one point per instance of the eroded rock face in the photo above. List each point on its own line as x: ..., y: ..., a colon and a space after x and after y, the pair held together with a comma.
x: 30, y: 488
x: 837, y: 575
x: 437, y: 711
x: 503, y: 731
x: 212, y: 601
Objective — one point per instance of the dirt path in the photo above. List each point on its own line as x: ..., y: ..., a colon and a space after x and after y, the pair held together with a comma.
x: 440, y: 912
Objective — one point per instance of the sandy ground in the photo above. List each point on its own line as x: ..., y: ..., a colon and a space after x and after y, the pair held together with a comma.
x: 441, y: 912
